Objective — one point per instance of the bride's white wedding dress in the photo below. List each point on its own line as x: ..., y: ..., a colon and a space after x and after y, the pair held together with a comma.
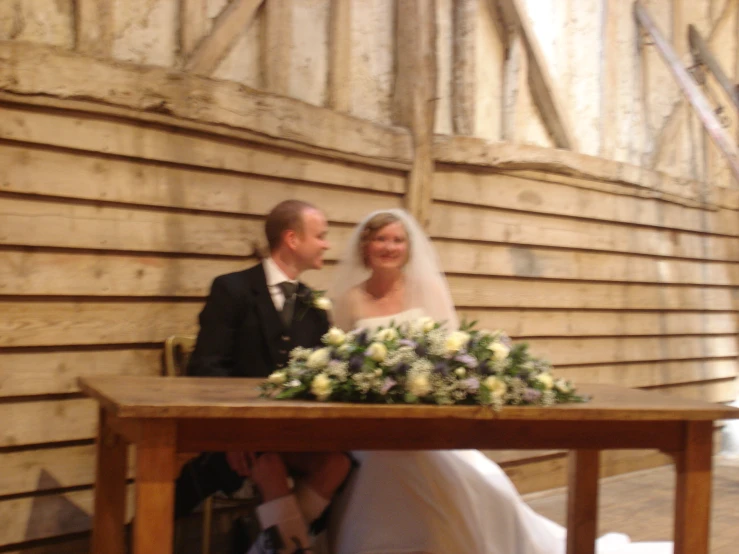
x: 445, y: 502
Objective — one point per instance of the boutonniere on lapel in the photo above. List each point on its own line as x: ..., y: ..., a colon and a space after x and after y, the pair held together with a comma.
x: 308, y: 299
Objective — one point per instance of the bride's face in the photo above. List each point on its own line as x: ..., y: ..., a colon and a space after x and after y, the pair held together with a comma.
x: 388, y: 249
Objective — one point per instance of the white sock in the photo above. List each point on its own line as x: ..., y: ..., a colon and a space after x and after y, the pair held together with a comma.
x: 310, y: 502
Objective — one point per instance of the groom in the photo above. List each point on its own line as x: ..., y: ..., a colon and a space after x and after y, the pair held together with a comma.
x: 251, y: 321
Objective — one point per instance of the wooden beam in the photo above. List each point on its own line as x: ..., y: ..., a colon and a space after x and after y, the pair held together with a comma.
x: 464, y: 17
x: 506, y: 156
x: 690, y: 89
x: 276, y: 45
x: 613, y: 9
x: 93, y: 21
x: 702, y: 55
x: 226, y: 29
x: 543, y: 89
x: 582, y: 501
x: 414, y: 97
x: 502, y: 27
x: 514, y: 82
x: 339, y: 66
x: 193, y: 25
x: 124, y: 91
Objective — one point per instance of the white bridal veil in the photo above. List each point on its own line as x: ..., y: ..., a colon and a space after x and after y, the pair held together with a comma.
x: 426, y: 286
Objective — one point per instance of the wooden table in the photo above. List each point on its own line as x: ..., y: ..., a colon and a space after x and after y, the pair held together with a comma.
x: 163, y: 416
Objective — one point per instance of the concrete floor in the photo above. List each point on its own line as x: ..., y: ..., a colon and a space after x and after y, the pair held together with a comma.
x: 640, y: 504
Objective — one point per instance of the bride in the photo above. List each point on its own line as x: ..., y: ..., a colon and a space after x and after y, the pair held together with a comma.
x: 426, y: 502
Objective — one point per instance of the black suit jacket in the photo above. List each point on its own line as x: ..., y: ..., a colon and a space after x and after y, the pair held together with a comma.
x: 241, y: 333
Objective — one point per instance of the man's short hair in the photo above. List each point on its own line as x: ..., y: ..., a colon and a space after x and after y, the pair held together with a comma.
x: 287, y: 215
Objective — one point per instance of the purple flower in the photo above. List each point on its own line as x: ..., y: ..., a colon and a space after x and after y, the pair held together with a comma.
x: 531, y: 395
x: 484, y: 367
x: 471, y: 384
x: 421, y: 351
x: 355, y: 364
x: 362, y: 338
x: 442, y: 367
x: 387, y: 385
x: 401, y: 368
x: 467, y: 359
x: 408, y: 342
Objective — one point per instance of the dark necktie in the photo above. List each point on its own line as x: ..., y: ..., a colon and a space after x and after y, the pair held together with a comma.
x: 288, y: 308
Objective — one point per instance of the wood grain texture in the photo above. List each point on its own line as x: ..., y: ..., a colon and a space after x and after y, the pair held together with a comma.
x: 460, y: 150
x: 476, y: 292
x: 582, y: 501
x: 568, y: 324
x: 464, y: 21
x: 693, y: 494
x: 31, y: 373
x: 161, y: 397
x: 47, y: 516
x: 193, y: 25
x: 209, y: 101
x: 195, y: 150
x: 227, y: 27
x: 414, y: 96
x: 153, y: 528
x: 339, y: 66
x: 93, y: 24
x: 453, y: 221
x: 42, y: 422
x: 66, y: 225
x: 110, y: 490
x: 545, y: 92
x: 276, y: 46
x: 533, y: 262
x: 467, y: 185
x: 91, y: 176
x: 33, y: 470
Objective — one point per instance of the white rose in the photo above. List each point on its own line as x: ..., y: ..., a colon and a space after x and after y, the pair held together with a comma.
x: 460, y: 371
x: 498, y: 351
x: 334, y: 337
x: 546, y: 380
x: 322, y: 303
x: 497, y: 387
x: 376, y: 351
x: 319, y: 358
x: 456, y: 341
x: 388, y: 334
x: 321, y: 386
x: 562, y: 386
x: 419, y: 385
x: 344, y: 349
x: 277, y: 378
x: 426, y: 324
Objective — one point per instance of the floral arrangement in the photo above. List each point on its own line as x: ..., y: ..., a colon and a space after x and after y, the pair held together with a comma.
x: 419, y: 362
x: 309, y: 298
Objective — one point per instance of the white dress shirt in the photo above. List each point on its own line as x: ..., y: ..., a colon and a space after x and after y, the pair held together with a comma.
x: 275, y: 276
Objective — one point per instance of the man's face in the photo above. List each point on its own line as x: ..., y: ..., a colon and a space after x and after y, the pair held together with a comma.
x: 310, y: 245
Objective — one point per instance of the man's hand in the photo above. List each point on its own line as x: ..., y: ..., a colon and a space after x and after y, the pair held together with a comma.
x: 267, y: 470
x: 238, y: 461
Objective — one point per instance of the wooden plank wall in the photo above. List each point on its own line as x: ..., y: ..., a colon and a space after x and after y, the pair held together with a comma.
x: 111, y: 230
x: 613, y: 283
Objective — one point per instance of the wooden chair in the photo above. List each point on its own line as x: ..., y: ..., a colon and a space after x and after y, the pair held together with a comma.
x: 177, y: 352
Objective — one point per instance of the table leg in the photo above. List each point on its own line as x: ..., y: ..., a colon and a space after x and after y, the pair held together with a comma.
x: 693, y: 493
x: 110, y: 490
x: 582, y: 501
x: 156, y: 470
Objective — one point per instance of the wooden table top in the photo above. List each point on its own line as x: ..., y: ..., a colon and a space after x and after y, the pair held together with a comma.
x: 197, y: 397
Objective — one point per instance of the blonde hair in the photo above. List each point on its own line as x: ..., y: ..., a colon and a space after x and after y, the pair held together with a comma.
x: 372, y: 227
